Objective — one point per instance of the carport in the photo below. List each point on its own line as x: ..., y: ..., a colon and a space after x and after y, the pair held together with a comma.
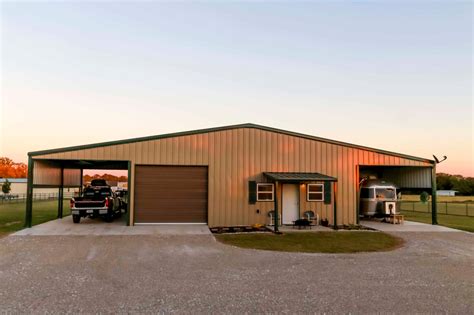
x: 60, y: 174
x: 413, y: 178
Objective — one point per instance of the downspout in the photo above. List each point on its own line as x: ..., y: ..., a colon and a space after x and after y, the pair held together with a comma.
x: 434, y: 204
x: 29, y: 194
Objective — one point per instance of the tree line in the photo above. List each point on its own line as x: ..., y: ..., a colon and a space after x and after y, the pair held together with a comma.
x: 107, y: 177
x: 10, y: 169
x: 464, y: 185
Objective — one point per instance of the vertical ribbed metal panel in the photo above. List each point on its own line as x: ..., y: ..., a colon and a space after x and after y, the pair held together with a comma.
x: 45, y: 174
x: 72, y: 177
x: 412, y: 177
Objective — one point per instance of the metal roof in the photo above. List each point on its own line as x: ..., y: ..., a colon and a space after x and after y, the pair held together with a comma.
x: 248, y: 125
x: 299, y: 177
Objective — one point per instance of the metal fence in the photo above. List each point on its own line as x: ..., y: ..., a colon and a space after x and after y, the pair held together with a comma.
x: 451, y: 208
x: 36, y: 196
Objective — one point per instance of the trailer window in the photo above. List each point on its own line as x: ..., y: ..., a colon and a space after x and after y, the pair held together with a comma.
x: 367, y: 193
x: 385, y: 193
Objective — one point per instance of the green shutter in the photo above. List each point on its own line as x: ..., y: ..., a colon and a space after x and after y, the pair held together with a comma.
x: 252, y: 192
x: 327, y: 192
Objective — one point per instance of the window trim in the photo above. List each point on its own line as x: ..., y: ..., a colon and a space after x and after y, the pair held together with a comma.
x: 266, y: 192
x: 308, y: 192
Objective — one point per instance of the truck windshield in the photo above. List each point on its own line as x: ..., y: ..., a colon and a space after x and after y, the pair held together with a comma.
x: 385, y: 193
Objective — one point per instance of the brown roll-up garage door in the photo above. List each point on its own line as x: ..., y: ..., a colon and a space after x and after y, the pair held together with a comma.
x: 170, y: 194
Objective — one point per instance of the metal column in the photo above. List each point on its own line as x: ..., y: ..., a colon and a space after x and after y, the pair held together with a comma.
x: 276, y: 207
x: 81, y: 182
x: 129, y: 189
x: 29, y: 194
x: 434, y: 204
x: 61, y: 195
x: 335, y: 206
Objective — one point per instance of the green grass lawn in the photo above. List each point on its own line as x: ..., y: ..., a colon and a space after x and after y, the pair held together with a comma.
x: 318, y: 242
x: 453, y: 221
x: 12, y: 214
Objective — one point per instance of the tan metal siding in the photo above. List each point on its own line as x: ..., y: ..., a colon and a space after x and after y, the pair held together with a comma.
x: 72, y: 177
x: 236, y: 156
x: 45, y: 174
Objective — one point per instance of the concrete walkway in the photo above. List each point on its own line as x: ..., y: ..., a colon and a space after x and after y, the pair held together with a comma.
x: 408, y: 226
x: 97, y: 227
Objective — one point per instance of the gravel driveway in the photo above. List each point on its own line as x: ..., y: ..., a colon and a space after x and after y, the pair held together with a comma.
x: 433, y: 273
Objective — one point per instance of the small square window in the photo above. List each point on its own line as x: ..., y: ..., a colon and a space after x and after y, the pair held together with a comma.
x: 315, y: 192
x: 265, y: 192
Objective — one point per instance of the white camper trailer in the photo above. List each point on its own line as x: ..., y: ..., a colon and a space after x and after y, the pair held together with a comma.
x: 377, y: 198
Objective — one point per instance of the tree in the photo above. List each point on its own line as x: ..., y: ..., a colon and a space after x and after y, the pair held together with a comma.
x: 10, y: 169
x: 463, y: 185
x: 6, y: 187
x: 444, y: 181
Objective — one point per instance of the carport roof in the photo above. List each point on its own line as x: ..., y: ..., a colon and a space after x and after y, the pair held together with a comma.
x: 299, y: 177
x: 247, y: 125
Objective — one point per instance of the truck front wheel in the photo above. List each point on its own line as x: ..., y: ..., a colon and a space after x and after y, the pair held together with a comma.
x: 76, y: 218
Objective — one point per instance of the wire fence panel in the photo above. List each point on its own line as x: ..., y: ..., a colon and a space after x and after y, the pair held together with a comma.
x: 451, y: 208
x: 36, y: 197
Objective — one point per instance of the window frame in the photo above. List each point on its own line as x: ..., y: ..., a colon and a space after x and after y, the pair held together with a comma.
x: 266, y: 192
x: 313, y: 192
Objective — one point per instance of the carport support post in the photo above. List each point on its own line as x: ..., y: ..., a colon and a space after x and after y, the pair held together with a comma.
x: 335, y: 206
x: 29, y: 194
x: 81, y: 182
x: 61, y: 194
x: 434, y: 204
x: 276, y: 207
x: 129, y: 189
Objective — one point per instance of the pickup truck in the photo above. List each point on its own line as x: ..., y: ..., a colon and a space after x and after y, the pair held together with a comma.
x: 97, y: 200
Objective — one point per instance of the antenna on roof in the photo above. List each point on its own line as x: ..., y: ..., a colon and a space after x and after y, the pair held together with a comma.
x: 438, y: 160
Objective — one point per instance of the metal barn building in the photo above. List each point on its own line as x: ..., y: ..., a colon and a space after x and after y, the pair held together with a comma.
x: 233, y: 175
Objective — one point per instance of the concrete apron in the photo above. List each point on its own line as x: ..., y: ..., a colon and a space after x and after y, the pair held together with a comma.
x: 65, y: 226
x: 407, y: 226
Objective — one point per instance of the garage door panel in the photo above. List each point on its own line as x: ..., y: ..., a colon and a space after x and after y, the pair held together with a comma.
x: 171, y: 194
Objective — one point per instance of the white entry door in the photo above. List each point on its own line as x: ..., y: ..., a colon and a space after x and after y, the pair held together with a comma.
x: 290, y: 207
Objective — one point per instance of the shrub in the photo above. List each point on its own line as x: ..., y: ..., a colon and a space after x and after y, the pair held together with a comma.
x: 424, y: 197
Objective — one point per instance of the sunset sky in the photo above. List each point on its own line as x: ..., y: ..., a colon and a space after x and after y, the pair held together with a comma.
x: 385, y: 74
